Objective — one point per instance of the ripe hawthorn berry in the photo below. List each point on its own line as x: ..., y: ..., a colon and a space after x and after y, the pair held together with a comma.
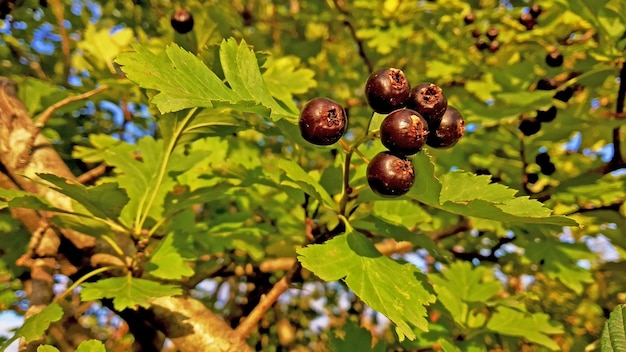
x: 494, y: 46
x: 387, y: 89
x: 469, y: 18
x: 481, y: 44
x: 535, y: 10
x: 547, y: 115
x: 529, y: 126
x: 527, y: 20
x: 390, y: 175
x: 542, y: 159
x: 546, y: 84
x: 492, y: 33
x: 548, y: 169
x: 322, y: 121
x: 532, y: 178
x: 554, y: 58
x: 428, y: 99
x: 404, y: 132
x: 448, y: 131
x: 476, y: 33
x: 565, y: 95
x: 182, y: 21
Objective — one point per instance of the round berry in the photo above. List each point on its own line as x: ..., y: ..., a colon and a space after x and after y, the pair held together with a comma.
x: 469, y: 18
x: 387, y: 89
x: 542, y: 159
x: 494, y: 46
x: 390, y: 175
x: 565, y: 95
x: 182, y: 21
x: 554, y: 59
x: 548, y: 169
x: 546, y: 84
x: 481, y: 44
x: 532, y: 178
x: 530, y: 126
x: 476, y: 33
x: 448, y: 131
x: 546, y: 115
x: 527, y: 20
x: 428, y: 99
x: 404, y: 132
x: 322, y: 121
x: 535, y: 10
x: 492, y: 33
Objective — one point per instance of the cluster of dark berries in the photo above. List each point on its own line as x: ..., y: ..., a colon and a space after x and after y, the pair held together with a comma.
x: 529, y: 19
x: 416, y: 116
x: 182, y: 21
x: 492, y: 44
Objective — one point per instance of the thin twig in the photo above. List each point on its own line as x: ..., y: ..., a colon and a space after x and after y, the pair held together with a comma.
x: 57, y: 9
x: 342, y: 8
x: 617, y: 161
x: 41, y: 120
x: 92, y: 174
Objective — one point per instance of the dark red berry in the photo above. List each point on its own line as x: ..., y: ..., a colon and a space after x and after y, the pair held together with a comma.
x: 535, y: 10
x: 565, y: 95
x: 546, y: 84
x: 546, y: 115
x: 428, y: 99
x: 542, y: 159
x: 530, y: 126
x: 182, y: 21
x: 469, y: 18
x: 554, y: 59
x: 448, y: 131
x: 390, y: 175
x: 532, y: 178
x: 322, y: 121
x: 494, y: 46
x: 481, y: 44
x: 492, y: 33
x: 476, y: 33
x: 404, y: 132
x: 387, y: 89
x: 528, y: 21
x: 548, y: 169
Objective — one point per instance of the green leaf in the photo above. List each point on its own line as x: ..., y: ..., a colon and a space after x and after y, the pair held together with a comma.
x: 378, y: 226
x: 169, y: 260
x: 47, y: 348
x: 105, y: 200
x: 183, y: 81
x: 461, y: 285
x: 91, y: 346
x: 354, y: 338
x: 535, y: 327
x: 463, y: 193
x: 285, y: 78
x: 399, y: 291
x: 613, y: 337
x: 559, y: 262
x: 35, y: 326
x: 299, y: 179
x: 127, y: 291
x: 102, y: 46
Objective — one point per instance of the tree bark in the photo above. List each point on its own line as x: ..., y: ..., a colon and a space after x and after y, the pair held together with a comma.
x: 24, y: 151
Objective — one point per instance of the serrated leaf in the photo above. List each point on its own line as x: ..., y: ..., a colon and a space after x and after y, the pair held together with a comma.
x: 559, y: 262
x: 381, y: 227
x: 401, y: 297
x: 613, y: 337
x: 104, y: 201
x: 535, y: 327
x: 183, y: 81
x: 460, y: 286
x: 169, y: 260
x: 102, y: 46
x: 463, y: 193
x: 35, y: 326
x: 285, y: 78
x: 355, y: 338
x: 127, y: 291
x: 91, y: 346
x: 299, y: 179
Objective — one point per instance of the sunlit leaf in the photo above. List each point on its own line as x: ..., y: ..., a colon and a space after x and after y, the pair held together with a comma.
x: 614, y: 332
x: 534, y: 327
x: 127, y: 291
x: 35, y: 326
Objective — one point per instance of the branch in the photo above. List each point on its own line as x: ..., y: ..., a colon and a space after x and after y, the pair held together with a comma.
x: 57, y: 9
x: 44, y: 116
x: 342, y: 8
x: 617, y: 161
